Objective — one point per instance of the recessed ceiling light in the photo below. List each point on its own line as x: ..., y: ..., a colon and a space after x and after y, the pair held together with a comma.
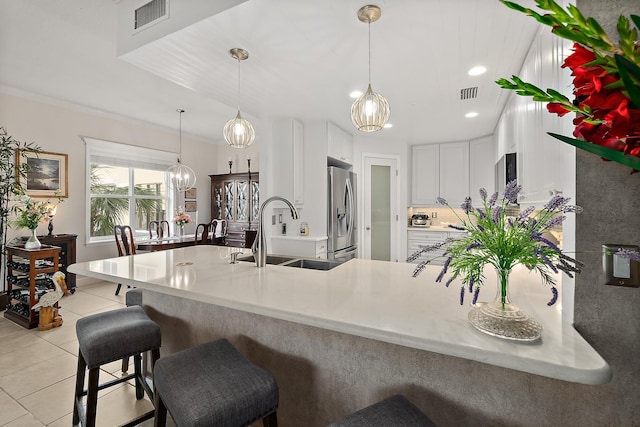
x: 388, y: 125
x: 476, y: 71
x: 355, y: 94
x: 471, y: 114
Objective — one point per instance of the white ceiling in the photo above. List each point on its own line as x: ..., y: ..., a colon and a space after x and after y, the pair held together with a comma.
x: 305, y: 58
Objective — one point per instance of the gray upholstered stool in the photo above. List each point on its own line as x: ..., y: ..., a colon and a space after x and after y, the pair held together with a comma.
x: 213, y: 385
x: 393, y: 411
x: 104, y: 338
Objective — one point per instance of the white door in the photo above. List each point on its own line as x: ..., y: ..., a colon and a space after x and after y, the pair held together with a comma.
x: 380, y: 234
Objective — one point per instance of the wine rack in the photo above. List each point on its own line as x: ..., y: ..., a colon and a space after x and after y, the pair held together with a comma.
x: 28, y: 277
x: 67, y: 245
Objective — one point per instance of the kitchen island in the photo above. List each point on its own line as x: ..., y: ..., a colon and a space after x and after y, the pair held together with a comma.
x: 339, y: 340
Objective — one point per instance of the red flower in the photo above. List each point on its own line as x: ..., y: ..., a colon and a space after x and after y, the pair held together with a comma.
x: 559, y: 109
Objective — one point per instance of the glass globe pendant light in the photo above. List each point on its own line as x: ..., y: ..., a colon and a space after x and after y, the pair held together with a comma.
x: 180, y: 177
x: 238, y: 132
x: 370, y: 111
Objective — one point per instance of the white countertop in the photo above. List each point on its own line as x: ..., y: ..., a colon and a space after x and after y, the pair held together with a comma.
x: 372, y: 299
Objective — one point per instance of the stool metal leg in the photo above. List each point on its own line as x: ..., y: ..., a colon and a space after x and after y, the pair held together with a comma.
x: 77, y: 400
x: 137, y: 363
x: 161, y: 411
x: 270, y: 420
x: 92, y: 397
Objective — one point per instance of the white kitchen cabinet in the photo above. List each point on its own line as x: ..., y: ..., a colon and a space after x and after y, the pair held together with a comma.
x: 288, y: 160
x: 425, y: 167
x: 440, y: 170
x: 482, y: 159
x: 299, y: 246
x: 339, y: 144
x: 454, y: 172
x: 545, y: 165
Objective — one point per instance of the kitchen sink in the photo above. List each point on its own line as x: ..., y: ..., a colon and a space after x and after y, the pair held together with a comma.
x: 312, y: 264
x: 271, y: 259
x: 296, y: 262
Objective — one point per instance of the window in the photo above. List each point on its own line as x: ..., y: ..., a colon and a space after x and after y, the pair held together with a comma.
x: 126, y: 185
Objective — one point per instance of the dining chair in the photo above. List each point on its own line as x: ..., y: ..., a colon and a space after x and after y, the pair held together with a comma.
x: 218, y: 228
x: 125, y: 244
x: 202, y: 235
x: 161, y: 229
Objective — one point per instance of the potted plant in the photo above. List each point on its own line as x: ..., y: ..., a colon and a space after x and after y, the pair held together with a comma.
x: 12, y: 174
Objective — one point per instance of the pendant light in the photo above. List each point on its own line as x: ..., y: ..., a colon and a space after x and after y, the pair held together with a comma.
x: 238, y: 132
x: 180, y: 177
x: 370, y: 111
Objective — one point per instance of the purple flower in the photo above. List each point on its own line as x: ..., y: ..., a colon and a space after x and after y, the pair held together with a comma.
x: 511, y: 191
x: 462, y: 295
x: 538, y: 238
x: 497, y: 214
x: 554, y: 298
x: 441, y: 201
x: 556, y: 202
x: 481, y: 213
x: 466, y: 205
x: 470, y: 284
x: 555, y: 221
x: 525, y: 213
x: 493, y: 199
x: 481, y: 228
x: 510, y: 221
x: 483, y: 194
x: 449, y: 281
x: 476, y: 294
x: 419, y: 268
x: 547, y: 261
x: 473, y: 246
x: 628, y: 254
x: 572, y: 209
x: 444, y: 270
x: 455, y: 227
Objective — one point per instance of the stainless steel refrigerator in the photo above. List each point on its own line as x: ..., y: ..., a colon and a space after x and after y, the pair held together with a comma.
x: 342, y: 219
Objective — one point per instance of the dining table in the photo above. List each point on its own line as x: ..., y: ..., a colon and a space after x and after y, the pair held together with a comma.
x: 164, y: 243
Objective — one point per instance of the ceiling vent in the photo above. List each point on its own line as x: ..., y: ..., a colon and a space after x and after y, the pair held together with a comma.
x: 469, y: 93
x: 149, y: 13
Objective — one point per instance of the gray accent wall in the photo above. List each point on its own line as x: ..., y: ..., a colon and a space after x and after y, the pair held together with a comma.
x: 608, y: 317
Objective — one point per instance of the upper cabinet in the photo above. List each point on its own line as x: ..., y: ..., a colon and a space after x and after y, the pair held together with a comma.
x: 288, y: 160
x: 546, y: 166
x: 440, y: 170
x: 340, y: 144
x: 482, y: 159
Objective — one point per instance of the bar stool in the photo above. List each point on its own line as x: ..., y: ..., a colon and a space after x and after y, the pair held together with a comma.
x: 107, y: 337
x: 213, y: 385
x: 393, y: 411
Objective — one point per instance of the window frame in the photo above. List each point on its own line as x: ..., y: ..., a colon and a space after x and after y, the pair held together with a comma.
x: 126, y: 156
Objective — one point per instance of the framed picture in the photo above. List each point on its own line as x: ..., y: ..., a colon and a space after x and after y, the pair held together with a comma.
x: 191, y: 193
x: 190, y: 206
x: 48, y: 173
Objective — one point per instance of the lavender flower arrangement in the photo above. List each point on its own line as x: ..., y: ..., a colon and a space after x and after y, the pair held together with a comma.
x: 502, y: 241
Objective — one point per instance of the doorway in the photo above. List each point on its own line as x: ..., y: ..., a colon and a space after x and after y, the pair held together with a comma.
x: 380, y: 207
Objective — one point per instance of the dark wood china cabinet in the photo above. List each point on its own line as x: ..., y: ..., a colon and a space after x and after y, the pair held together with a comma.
x: 235, y: 198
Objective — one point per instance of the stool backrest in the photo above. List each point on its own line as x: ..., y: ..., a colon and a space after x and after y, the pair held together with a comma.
x: 124, y: 240
x: 202, y: 235
x: 160, y: 228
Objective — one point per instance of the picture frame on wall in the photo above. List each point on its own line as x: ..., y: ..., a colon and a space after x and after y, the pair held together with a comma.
x: 48, y: 174
x: 190, y: 206
x: 191, y: 193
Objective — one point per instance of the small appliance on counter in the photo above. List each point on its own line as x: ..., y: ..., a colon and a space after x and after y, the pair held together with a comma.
x: 420, y: 220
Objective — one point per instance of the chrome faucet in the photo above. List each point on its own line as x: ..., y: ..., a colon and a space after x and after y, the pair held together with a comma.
x: 259, y: 247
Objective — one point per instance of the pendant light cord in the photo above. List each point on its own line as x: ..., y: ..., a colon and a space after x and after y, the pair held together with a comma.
x: 238, y: 84
x: 369, y: 26
x: 180, y: 110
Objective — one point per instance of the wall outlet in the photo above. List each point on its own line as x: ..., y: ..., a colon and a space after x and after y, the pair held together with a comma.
x: 434, y: 214
x: 279, y: 218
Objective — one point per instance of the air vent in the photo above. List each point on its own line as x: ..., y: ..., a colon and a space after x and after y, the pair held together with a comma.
x: 469, y: 93
x: 150, y: 12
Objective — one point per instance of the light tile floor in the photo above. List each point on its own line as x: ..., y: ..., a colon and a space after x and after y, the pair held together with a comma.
x: 38, y: 368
